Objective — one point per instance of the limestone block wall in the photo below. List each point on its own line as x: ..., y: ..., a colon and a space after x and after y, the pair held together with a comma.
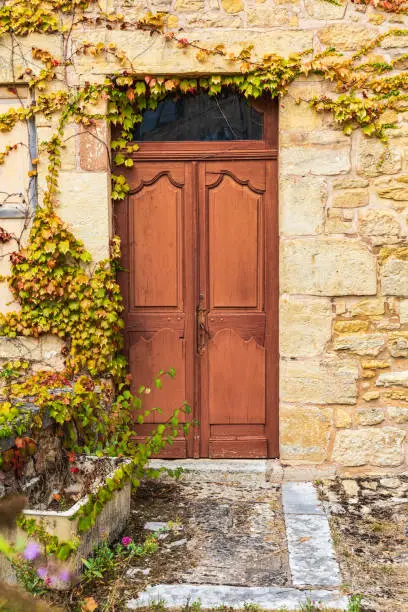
x: 343, y: 211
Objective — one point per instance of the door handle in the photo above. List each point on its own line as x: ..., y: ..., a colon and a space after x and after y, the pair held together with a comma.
x: 202, y: 331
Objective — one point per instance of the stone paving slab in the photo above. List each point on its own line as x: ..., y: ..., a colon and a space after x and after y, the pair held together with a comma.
x: 235, y: 532
x: 311, y: 554
x: 212, y: 596
x: 300, y: 498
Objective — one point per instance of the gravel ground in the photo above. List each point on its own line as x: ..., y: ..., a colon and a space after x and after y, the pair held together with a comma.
x: 369, y: 523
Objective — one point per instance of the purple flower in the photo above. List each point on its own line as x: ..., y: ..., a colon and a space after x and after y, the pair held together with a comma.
x: 126, y: 541
x: 65, y: 575
x: 42, y: 572
x: 32, y: 550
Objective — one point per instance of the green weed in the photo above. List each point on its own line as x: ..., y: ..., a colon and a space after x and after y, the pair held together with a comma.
x: 354, y: 604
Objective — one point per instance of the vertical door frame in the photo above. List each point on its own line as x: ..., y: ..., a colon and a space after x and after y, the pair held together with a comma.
x: 196, y: 152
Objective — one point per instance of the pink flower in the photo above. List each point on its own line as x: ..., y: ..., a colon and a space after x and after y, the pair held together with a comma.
x: 126, y: 541
x: 32, y: 550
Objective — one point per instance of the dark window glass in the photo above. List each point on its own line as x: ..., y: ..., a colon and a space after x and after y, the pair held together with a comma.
x: 201, y: 117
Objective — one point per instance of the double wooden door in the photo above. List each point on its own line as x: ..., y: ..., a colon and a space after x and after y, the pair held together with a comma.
x: 199, y: 280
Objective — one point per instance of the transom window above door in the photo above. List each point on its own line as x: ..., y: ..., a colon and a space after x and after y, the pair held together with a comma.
x: 224, y: 117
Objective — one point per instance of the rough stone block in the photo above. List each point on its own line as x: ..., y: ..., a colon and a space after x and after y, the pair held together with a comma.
x: 361, y: 344
x: 398, y: 414
x: 375, y: 158
x: 404, y: 311
x: 380, y: 447
x: 317, y: 382
x: 85, y: 206
x: 350, y: 198
x: 337, y: 223
x: 369, y: 307
x: 343, y: 417
x: 394, y: 189
x: 379, y: 223
x: 349, y: 182
x: 328, y: 266
x: 213, y: 19
x: 351, y: 488
x: 395, y: 41
x: 93, y: 148
x: 394, y: 277
x: 152, y: 55
x: 389, y: 379
x: 20, y: 348
x: 348, y: 37
x: 267, y: 16
x: 398, y: 347
x: 319, y: 160
x: 351, y: 326
x: 371, y: 396
x: 295, y: 112
x: 305, y: 325
x: 51, y: 347
x: 370, y: 416
x: 325, y: 10
x: 189, y: 5
x: 304, y: 433
x: 68, y: 151
x: 232, y: 6
x: 301, y: 204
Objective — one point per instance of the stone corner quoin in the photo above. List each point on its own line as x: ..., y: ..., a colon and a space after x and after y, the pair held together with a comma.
x: 343, y: 210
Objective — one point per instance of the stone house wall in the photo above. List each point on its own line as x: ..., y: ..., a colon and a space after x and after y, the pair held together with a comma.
x: 343, y: 212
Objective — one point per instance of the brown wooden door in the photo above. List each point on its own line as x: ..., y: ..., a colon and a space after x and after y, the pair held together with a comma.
x: 199, y: 248
x: 237, y: 293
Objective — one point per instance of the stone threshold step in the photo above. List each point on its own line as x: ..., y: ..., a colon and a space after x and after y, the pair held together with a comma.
x: 268, y: 471
x: 214, y: 596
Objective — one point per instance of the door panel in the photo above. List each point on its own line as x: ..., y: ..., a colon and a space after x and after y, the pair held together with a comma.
x: 199, y: 251
x: 155, y: 220
x: 236, y: 380
x: 163, y: 351
x: 234, y: 374
x: 235, y: 248
x: 155, y: 224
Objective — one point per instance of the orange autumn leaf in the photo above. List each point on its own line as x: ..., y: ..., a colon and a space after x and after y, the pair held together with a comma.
x: 89, y: 604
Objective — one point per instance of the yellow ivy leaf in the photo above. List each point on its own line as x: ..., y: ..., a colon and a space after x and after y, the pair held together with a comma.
x: 64, y: 246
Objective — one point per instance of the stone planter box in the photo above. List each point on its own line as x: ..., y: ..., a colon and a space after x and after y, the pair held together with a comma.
x: 108, y: 526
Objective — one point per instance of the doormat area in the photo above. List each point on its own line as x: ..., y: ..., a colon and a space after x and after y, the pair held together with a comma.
x: 227, y: 539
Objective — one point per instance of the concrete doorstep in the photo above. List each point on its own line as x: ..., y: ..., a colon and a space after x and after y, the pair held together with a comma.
x: 313, y: 570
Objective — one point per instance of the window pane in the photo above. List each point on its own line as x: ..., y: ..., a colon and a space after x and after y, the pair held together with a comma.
x: 203, y: 117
